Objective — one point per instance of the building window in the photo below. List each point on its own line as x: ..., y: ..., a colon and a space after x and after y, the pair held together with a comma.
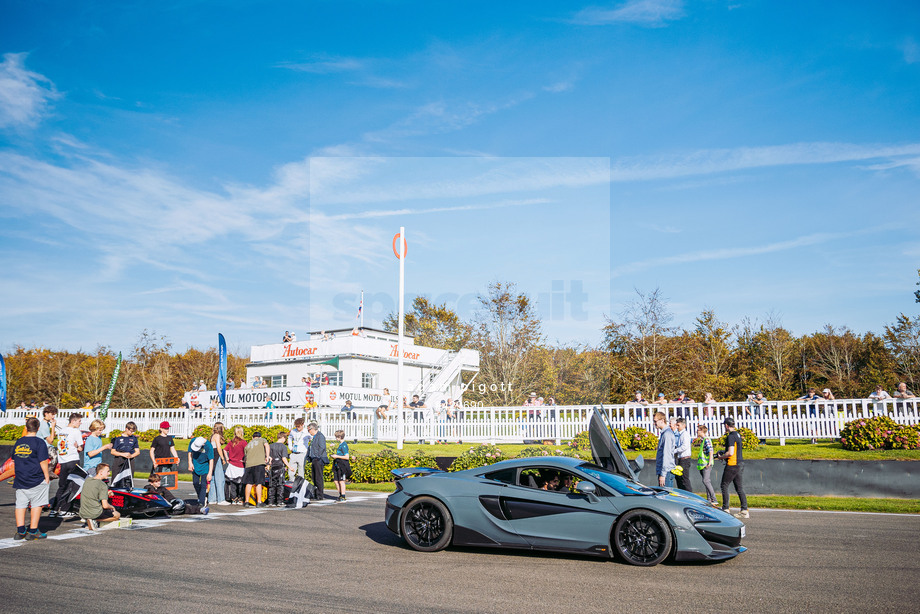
x: 276, y: 381
x: 368, y: 380
x: 335, y: 378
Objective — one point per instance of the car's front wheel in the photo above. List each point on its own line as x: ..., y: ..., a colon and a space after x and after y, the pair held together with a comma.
x: 642, y: 537
x: 426, y: 524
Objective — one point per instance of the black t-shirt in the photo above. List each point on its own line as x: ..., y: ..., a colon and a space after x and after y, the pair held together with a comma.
x: 28, y: 455
x: 161, y: 446
x: 735, y: 439
x: 278, y: 451
x: 162, y: 491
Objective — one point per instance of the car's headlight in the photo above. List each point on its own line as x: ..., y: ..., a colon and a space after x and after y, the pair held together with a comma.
x: 696, y: 515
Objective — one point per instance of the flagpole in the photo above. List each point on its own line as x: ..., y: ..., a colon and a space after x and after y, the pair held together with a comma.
x: 400, y: 421
x: 362, y: 308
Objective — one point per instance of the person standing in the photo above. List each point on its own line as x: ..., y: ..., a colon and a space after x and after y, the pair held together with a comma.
x: 318, y: 458
x: 734, y: 468
x: 163, y: 447
x: 201, y: 463
x: 92, y: 451
x: 47, y: 430
x: 279, y: 460
x: 341, y: 465
x: 236, y: 463
x: 257, y: 456
x: 297, y: 441
x: 70, y: 444
x: 683, y: 454
x: 218, y: 492
x: 125, y: 448
x: 705, y: 461
x: 664, y: 458
x: 32, y: 481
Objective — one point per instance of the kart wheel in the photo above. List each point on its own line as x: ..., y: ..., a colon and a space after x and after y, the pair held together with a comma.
x: 426, y: 525
x: 642, y: 538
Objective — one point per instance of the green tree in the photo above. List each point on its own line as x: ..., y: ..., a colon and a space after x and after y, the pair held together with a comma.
x: 432, y: 325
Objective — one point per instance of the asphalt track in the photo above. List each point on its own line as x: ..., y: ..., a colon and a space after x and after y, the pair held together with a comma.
x: 341, y: 558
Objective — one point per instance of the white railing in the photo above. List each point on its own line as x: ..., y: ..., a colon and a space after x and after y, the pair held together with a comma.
x: 780, y: 420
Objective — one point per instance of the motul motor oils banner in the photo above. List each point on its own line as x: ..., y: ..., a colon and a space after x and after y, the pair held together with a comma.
x: 296, y: 396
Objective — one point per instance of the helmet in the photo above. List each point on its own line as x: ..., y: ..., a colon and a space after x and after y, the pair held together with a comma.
x: 178, y: 506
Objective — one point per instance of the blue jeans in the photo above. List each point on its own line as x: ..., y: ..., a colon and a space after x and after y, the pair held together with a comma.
x: 201, y: 487
x: 669, y: 480
x: 218, y: 484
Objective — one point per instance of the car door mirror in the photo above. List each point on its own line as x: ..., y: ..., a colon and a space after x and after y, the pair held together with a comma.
x: 585, y: 488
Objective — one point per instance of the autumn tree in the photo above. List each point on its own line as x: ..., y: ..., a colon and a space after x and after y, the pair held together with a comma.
x: 432, y: 325
x: 507, y: 334
x: 642, y: 345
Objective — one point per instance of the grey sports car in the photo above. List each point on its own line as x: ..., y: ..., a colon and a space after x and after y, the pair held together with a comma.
x: 561, y: 504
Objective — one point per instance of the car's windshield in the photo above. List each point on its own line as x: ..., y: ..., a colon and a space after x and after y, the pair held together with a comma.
x: 615, y: 482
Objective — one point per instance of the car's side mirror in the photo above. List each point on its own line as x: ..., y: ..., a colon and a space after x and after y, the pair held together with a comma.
x: 588, y: 489
x: 637, y: 464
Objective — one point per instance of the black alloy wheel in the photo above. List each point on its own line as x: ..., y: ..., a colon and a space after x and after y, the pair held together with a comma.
x: 642, y: 538
x: 426, y: 525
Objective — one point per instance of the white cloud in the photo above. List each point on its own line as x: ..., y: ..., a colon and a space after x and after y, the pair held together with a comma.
x: 24, y: 95
x: 324, y: 64
x: 911, y: 51
x: 708, y: 161
x: 654, y: 13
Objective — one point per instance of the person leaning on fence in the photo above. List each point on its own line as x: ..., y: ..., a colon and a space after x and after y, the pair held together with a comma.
x: 32, y: 481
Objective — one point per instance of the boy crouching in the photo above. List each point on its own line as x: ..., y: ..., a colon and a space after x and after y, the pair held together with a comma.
x: 94, y: 500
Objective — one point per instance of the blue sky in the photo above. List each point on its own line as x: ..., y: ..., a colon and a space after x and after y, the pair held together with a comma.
x: 241, y: 167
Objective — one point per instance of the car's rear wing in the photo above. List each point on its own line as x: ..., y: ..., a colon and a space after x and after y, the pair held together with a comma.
x: 411, y: 472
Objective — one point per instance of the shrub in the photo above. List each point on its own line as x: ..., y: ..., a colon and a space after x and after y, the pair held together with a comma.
x: 548, y: 451
x: 147, y: 435
x: 419, y: 458
x: 878, y: 433
x: 749, y: 440
x: 203, y: 430
x: 374, y: 468
x: 477, y: 456
x: 581, y: 441
x: 11, y: 432
x: 637, y: 438
x: 115, y: 433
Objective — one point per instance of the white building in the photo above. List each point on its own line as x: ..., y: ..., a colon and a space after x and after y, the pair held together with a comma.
x: 359, y: 364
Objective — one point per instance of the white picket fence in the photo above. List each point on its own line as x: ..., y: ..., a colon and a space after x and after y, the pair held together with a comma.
x: 780, y: 420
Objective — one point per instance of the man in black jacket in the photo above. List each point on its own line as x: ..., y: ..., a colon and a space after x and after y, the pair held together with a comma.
x: 318, y: 458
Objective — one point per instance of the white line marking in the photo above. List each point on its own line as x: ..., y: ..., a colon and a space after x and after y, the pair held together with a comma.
x: 11, y: 543
x: 773, y: 509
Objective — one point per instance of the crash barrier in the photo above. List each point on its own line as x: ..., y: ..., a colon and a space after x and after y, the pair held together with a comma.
x: 780, y: 420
